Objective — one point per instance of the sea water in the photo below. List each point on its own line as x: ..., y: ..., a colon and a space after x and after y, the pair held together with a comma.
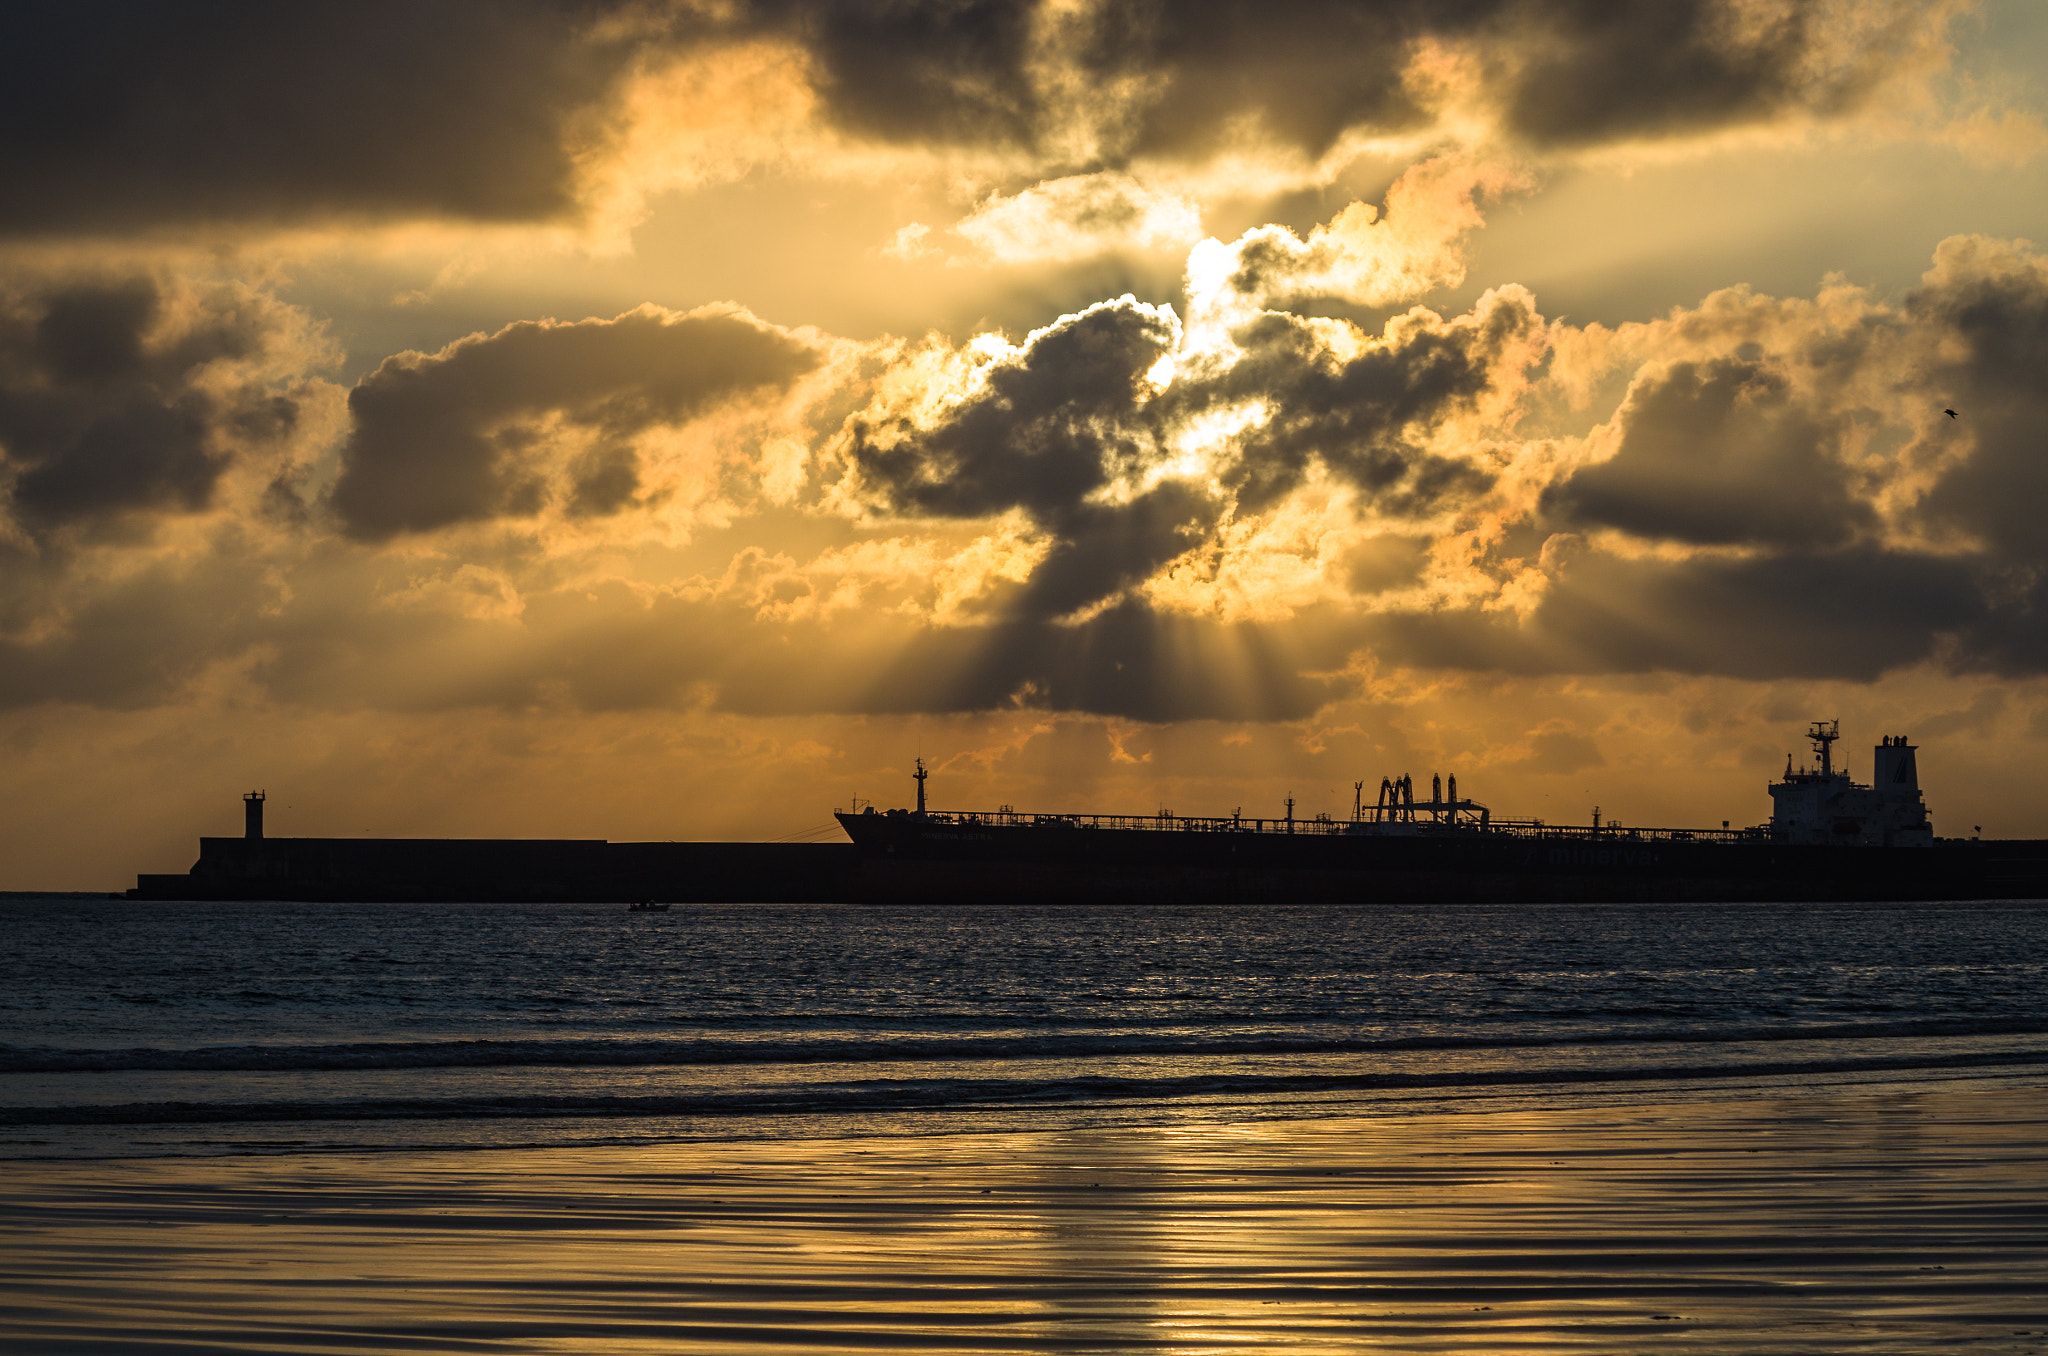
x: 131, y: 1028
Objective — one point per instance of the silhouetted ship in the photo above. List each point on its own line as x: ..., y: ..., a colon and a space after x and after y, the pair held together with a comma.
x: 1828, y: 838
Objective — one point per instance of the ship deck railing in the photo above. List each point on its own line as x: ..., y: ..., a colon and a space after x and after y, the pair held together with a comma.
x: 1423, y: 820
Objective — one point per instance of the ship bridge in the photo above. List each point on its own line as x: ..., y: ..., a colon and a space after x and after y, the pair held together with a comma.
x: 1821, y: 805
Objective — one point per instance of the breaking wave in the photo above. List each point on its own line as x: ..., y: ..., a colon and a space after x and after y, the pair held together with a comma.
x: 584, y: 1054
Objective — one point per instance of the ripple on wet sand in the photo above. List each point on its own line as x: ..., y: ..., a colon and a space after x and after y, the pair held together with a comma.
x: 1911, y: 1221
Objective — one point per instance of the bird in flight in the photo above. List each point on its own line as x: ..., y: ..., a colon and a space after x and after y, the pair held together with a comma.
x: 1950, y: 413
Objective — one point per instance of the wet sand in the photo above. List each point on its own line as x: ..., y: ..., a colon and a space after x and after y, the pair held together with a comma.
x: 1905, y: 1221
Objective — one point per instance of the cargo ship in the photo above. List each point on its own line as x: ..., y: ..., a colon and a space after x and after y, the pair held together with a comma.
x: 1828, y: 838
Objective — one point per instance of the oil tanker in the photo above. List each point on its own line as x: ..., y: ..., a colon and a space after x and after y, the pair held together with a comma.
x: 1828, y: 838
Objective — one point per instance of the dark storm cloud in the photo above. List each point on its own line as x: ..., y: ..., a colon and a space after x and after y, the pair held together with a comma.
x: 133, y: 115
x: 100, y: 413
x: 1049, y: 426
x: 959, y: 70
x: 128, y: 114
x: 1049, y: 431
x: 1992, y: 299
x: 1055, y: 429
x: 1802, y: 575
x: 95, y: 334
x: 1306, y: 72
x: 919, y: 70
x: 1720, y: 453
x: 1099, y: 549
x: 449, y: 438
x: 1600, y: 71
x: 1365, y: 418
x: 1562, y: 71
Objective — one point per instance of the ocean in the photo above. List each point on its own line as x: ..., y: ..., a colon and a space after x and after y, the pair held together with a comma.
x: 134, y: 1029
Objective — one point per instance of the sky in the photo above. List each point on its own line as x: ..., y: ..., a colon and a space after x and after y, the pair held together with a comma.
x: 668, y: 420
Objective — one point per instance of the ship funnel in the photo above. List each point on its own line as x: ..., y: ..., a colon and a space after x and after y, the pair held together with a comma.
x: 252, y: 815
x: 1893, y: 765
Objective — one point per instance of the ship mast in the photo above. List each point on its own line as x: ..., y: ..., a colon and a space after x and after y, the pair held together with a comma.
x: 921, y: 773
x: 1824, y: 733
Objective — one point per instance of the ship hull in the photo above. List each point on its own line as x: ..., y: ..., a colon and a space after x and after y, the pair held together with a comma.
x: 901, y: 859
x: 905, y: 858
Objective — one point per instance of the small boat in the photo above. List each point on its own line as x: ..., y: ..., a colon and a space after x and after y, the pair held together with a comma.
x: 647, y: 906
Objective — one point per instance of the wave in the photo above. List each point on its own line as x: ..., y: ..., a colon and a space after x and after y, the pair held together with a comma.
x: 726, y: 1049
x: 937, y: 1094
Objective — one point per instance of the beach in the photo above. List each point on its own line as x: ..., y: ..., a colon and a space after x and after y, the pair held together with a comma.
x: 387, y: 1128
x: 1862, y: 1218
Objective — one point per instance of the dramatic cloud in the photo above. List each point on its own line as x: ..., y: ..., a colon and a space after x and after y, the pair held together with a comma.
x: 919, y: 71
x: 1588, y: 72
x: 1790, y: 497
x: 132, y: 118
x: 1124, y: 512
x: 1721, y: 453
x: 116, y: 398
x: 1184, y: 80
x: 1989, y: 302
x: 138, y: 116
x: 470, y: 432
x: 1366, y: 413
x: 1059, y: 428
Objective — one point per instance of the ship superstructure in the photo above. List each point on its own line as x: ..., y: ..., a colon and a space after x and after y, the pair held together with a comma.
x: 1820, y: 805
